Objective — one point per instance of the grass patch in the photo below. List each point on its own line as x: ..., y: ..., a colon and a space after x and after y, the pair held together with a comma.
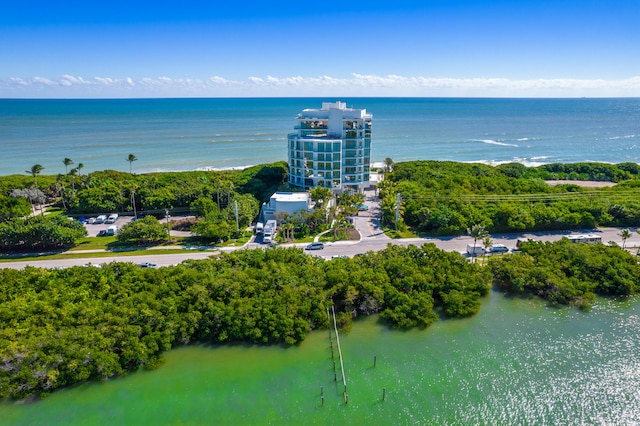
x: 93, y: 243
x: 347, y: 234
x: 395, y: 234
x: 70, y: 255
x: 111, y: 243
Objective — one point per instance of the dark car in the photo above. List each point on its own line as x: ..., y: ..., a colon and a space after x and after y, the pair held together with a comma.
x: 147, y: 265
x: 102, y: 233
x: 315, y: 246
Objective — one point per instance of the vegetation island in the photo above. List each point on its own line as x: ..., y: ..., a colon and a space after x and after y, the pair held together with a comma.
x: 59, y: 327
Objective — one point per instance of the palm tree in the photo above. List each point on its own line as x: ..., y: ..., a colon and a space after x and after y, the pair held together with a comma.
x: 131, y: 158
x: 35, y: 170
x: 80, y: 166
x: 625, y: 234
x: 133, y: 187
x: 388, y: 164
x: 73, y: 173
x: 67, y: 162
x: 60, y: 190
x: 486, y: 243
x: 477, y: 232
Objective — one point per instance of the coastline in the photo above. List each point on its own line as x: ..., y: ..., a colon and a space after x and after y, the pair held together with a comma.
x: 186, y: 134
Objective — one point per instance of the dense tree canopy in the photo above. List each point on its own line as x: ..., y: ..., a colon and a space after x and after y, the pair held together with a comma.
x: 60, y: 327
x: 447, y: 198
x: 566, y: 273
x: 39, y: 233
x: 143, y: 231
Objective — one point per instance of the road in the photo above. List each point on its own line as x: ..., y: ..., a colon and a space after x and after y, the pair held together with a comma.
x: 372, y: 239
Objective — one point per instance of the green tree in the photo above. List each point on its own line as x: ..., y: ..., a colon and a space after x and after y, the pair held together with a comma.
x: 131, y: 158
x: 203, y: 207
x: 477, y: 232
x: 320, y: 194
x: 486, y: 243
x: 35, y: 170
x: 73, y: 173
x: 625, y: 234
x: 388, y: 165
x: 67, y: 162
x: 11, y: 207
x: 142, y: 231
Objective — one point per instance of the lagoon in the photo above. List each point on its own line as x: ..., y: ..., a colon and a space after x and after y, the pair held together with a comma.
x: 518, y: 361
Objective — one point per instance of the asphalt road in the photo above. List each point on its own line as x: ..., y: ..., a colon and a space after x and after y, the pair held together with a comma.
x: 372, y: 239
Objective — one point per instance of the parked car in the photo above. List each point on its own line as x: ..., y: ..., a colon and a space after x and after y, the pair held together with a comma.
x: 102, y: 233
x: 91, y: 220
x: 148, y: 265
x: 498, y: 248
x: 112, y: 218
x: 315, y: 246
x: 101, y: 219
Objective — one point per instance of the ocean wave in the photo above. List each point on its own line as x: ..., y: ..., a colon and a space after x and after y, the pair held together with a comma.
x: 492, y: 142
x: 528, y: 162
x: 613, y: 138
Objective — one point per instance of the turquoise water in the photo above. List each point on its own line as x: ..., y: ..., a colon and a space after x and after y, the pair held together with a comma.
x: 188, y: 134
x: 517, y: 362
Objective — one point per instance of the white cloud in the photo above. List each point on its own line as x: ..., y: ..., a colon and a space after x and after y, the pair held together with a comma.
x: 324, y: 85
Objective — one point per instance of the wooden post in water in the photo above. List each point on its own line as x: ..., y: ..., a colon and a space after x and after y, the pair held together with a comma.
x: 375, y: 358
x: 322, y: 390
x: 322, y: 397
x: 384, y: 392
x: 344, y: 379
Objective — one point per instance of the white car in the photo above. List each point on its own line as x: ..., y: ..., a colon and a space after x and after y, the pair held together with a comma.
x: 498, y: 248
x: 112, y: 218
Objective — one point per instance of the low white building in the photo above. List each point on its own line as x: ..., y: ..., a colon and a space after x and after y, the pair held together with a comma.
x: 285, y: 202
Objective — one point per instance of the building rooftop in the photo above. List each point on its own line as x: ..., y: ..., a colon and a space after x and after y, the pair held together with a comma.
x: 290, y: 196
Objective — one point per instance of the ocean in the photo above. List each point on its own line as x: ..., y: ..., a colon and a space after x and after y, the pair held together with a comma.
x: 192, y: 134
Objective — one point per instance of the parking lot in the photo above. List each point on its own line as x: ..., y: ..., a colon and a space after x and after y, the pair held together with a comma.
x: 94, y: 228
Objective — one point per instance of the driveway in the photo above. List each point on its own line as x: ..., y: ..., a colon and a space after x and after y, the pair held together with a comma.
x: 368, y: 223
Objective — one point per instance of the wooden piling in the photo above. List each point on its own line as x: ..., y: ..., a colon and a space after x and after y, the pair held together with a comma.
x: 335, y: 327
x: 384, y: 393
x: 375, y: 359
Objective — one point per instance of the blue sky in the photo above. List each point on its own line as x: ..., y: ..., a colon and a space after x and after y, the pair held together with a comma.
x: 525, y: 48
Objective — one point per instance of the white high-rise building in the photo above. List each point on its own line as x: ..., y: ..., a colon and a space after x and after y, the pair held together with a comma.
x: 331, y: 147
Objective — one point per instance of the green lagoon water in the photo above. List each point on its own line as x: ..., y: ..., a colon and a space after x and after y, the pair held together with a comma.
x: 518, y: 362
